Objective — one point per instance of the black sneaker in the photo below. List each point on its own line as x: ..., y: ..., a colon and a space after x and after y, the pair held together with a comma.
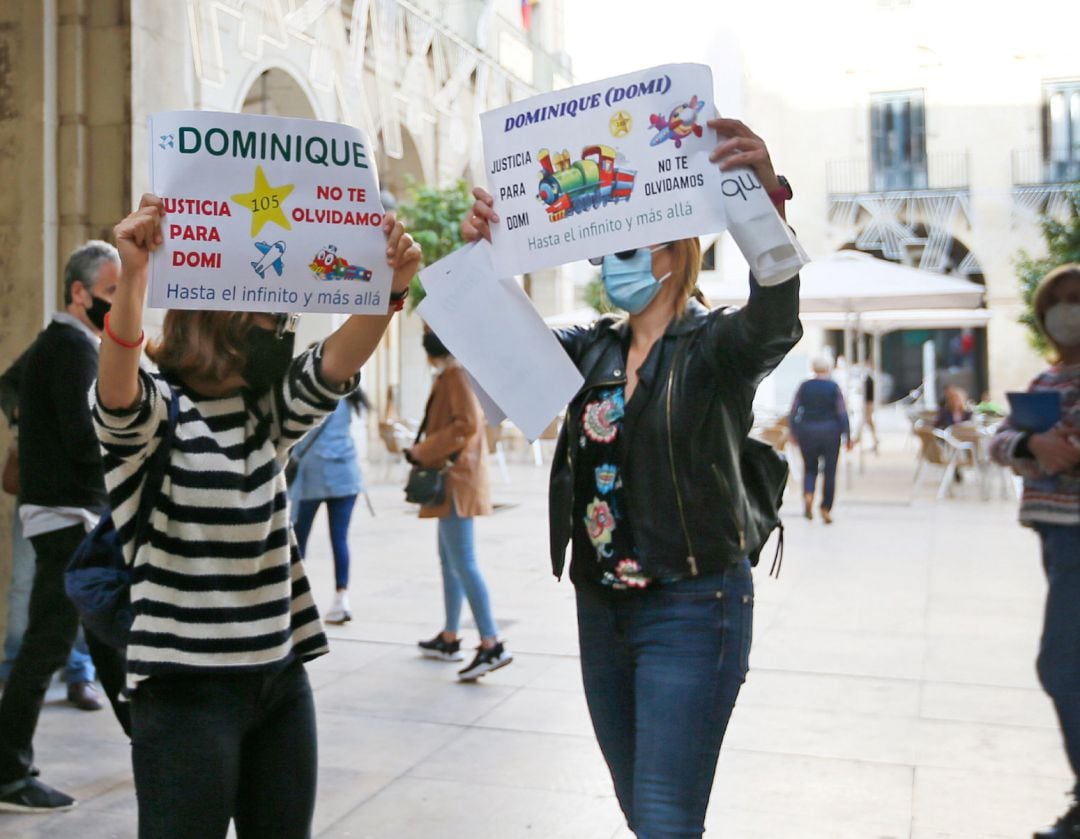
x: 486, y: 660
x: 441, y: 649
x: 1067, y: 827
x: 32, y: 796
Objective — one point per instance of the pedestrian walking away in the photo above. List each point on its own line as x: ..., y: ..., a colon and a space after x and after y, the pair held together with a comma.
x: 1049, y: 462
x: 328, y: 473
x: 659, y: 564
x: 454, y: 438
x: 819, y: 423
x: 223, y: 723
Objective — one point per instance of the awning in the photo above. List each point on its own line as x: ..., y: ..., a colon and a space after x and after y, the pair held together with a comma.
x: 850, y: 282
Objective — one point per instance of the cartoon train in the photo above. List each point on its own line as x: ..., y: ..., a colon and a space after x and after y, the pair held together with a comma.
x: 327, y: 265
x: 593, y: 181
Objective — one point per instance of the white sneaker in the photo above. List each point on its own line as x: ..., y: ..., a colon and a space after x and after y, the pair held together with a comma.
x: 339, y: 612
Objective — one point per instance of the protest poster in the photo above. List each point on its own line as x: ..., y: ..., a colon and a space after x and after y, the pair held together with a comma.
x: 603, y: 167
x: 520, y: 369
x: 266, y: 214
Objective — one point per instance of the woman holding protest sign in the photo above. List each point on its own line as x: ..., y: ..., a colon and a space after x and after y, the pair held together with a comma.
x: 223, y: 725
x: 647, y: 486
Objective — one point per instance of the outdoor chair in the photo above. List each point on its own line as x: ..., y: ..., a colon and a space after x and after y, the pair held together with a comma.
x: 495, y: 435
x: 550, y: 434
x: 397, y: 437
x: 933, y: 451
x: 776, y: 435
x: 975, y: 437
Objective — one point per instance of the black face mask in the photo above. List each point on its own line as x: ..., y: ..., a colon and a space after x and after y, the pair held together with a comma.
x: 433, y: 346
x: 97, y: 311
x: 268, y: 358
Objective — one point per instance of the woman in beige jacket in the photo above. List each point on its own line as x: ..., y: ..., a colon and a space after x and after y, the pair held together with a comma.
x: 455, y: 431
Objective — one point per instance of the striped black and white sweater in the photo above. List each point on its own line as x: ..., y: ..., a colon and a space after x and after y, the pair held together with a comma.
x: 218, y: 584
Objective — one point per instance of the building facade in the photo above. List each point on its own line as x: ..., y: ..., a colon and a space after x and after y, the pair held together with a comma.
x: 930, y: 134
x: 78, y: 79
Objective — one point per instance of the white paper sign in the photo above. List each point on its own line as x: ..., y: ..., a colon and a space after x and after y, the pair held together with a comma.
x: 491, y: 327
x: 603, y: 167
x: 266, y: 214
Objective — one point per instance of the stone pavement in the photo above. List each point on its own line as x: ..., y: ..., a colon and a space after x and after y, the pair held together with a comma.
x: 892, y: 691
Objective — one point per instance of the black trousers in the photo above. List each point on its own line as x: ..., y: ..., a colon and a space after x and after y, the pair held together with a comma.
x: 51, y: 629
x: 208, y: 748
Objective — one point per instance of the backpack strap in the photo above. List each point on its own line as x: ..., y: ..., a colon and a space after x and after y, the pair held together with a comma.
x: 155, y: 471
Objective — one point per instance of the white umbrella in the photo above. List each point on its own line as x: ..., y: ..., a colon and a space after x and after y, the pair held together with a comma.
x: 849, y: 287
x: 853, y: 282
x: 878, y: 323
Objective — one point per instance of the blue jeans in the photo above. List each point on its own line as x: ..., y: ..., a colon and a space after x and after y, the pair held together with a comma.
x: 662, y: 668
x: 461, y: 575
x: 338, y: 513
x: 1059, y: 650
x: 819, y: 443
x: 209, y: 747
x: 79, y: 667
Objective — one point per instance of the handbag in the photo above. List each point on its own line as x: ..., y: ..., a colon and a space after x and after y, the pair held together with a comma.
x: 292, y: 466
x: 11, y: 470
x: 764, y: 477
x: 427, y: 484
x: 97, y: 579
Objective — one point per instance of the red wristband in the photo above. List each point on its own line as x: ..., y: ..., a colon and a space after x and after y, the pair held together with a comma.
x: 127, y: 345
x: 779, y: 195
x: 397, y: 300
x: 782, y: 192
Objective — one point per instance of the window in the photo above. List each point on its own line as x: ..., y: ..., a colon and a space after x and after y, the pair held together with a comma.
x: 1061, y: 131
x: 897, y: 141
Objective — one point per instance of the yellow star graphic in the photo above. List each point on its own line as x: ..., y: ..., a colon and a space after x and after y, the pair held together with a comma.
x: 265, y: 202
x: 620, y: 124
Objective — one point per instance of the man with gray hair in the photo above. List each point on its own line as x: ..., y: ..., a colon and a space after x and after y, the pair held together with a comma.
x: 62, y: 493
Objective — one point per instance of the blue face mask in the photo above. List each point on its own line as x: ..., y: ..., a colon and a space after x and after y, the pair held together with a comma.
x: 628, y: 279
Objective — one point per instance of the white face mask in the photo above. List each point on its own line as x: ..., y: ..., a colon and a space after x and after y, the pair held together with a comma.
x: 1062, y: 322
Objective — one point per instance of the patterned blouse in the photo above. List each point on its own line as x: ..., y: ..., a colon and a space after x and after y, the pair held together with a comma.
x: 604, y: 550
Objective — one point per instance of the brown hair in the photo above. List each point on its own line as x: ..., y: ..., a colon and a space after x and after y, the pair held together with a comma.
x: 201, y: 344
x: 685, y: 265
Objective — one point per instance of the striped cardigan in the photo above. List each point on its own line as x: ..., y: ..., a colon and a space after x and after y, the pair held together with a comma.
x: 1048, y: 499
x: 218, y: 584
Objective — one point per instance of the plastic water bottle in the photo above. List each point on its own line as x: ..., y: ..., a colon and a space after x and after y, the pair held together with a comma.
x: 766, y: 242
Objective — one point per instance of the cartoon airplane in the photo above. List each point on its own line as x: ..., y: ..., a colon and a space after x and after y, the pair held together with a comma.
x: 681, y: 122
x: 271, y: 258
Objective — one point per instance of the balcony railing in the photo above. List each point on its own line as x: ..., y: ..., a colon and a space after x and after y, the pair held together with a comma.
x: 946, y: 171
x: 1034, y: 167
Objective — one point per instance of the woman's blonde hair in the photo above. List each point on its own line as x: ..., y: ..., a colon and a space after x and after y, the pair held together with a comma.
x: 201, y: 344
x: 685, y: 267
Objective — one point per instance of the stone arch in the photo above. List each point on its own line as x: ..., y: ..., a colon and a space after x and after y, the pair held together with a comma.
x: 922, y: 229
x: 394, y: 172
x: 962, y: 353
x: 954, y: 256
x: 270, y: 88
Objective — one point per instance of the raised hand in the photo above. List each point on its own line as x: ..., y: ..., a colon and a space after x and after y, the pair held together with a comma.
x: 477, y: 222
x: 403, y: 254
x: 140, y: 234
x: 739, y: 146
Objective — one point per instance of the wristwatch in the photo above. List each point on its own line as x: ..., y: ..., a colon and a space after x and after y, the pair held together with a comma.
x: 782, y: 193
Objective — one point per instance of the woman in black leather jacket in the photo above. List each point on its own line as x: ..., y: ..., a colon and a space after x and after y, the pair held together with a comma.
x: 646, y: 487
